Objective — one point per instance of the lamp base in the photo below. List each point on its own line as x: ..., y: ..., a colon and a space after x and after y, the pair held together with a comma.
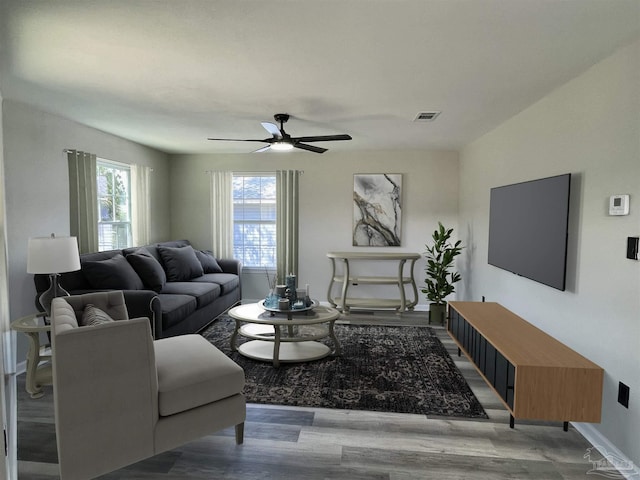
x: 55, y: 290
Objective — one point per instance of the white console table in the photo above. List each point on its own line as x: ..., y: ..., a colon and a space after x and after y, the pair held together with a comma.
x: 344, y: 302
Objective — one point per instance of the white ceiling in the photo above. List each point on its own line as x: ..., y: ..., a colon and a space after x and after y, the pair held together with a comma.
x: 170, y: 73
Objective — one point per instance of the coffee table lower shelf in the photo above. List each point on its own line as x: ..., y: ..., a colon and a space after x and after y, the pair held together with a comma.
x: 289, y: 352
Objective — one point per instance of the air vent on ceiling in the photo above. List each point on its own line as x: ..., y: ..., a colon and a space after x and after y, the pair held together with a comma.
x: 426, y: 116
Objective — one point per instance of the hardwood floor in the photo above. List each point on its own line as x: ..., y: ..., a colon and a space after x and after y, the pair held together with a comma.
x: 288, y: 443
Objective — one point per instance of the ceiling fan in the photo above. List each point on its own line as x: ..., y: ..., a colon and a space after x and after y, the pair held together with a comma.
x: 281, y: 140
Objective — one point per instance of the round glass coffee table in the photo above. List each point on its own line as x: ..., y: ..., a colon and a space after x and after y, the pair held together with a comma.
x: 284, y: 336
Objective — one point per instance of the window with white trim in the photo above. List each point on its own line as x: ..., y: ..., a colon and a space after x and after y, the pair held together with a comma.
x: 114, y: 205
x: 254, y: 219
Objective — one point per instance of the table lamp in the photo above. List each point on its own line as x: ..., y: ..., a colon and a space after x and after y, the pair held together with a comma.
x: 52, y: 256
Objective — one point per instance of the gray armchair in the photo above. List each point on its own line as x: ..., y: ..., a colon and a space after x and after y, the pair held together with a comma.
x: 121, y: 397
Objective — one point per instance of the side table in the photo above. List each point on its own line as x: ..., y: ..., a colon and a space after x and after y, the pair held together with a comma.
x: 38, y: 362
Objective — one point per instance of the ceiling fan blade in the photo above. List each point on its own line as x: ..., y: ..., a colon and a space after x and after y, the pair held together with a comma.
x: 262, y: 149
x: 322, y: 138
x: 272, y: 129
x: 310, y: 148
x: 239, y: 140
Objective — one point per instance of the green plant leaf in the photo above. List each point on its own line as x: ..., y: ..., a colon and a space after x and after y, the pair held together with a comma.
x: 440, y: 257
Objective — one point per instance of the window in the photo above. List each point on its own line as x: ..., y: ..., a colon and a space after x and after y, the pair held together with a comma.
x: 114, y: 206
x: 254, y: 219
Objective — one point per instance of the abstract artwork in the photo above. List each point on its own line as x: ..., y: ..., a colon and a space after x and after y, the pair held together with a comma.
x: 377, y: 209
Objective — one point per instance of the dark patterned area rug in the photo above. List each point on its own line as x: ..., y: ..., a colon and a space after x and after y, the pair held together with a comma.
x: 388, y: 369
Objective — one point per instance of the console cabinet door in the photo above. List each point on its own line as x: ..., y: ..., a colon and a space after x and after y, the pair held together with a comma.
x: 482, y: 356
x: 511, y: 382
x: 490, y: 364
x: 454, y: 324
x: 477, y: 340
x: 500, y: 383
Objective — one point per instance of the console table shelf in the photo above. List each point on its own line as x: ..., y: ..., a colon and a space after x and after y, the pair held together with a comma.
x: 534, y: 375
x: 346, y: 278
x: 375, y: 280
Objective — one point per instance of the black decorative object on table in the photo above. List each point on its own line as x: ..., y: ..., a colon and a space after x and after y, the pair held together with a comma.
x: 291, y: 310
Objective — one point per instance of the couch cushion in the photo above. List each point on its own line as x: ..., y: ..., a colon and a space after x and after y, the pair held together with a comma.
x: 175, y: 308
x: 92, y: 315
x: 174, y: 243
x: 192, y: 373
x: 114, y: 273
x: 75, y: 281
x: 209, y: 263
x: 152, y: 249
x: 148, y: 269
x: 181, y: 263
x: 228, y: 281
x: 205, y: 293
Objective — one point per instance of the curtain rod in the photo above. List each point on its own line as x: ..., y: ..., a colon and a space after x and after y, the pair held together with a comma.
x: 70, y: 150
x: 269, y: 172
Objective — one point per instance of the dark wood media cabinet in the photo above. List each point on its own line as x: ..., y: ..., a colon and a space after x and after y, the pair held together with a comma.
x: 536, y: 376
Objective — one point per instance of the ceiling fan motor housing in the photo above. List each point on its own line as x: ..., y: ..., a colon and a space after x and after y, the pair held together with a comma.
x: 281, y: 117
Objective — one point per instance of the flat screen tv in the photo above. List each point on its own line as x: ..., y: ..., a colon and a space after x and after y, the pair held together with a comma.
x: 528, y: 229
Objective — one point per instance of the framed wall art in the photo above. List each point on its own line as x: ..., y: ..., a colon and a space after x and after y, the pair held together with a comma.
x: 377, y: 209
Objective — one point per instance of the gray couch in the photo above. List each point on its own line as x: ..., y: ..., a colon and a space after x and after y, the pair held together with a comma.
x: 181, y: 289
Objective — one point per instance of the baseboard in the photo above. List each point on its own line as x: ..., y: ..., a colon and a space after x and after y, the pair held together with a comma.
x: 610, y: 453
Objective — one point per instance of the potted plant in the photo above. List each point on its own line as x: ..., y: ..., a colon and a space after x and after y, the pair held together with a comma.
x: 440, y: 281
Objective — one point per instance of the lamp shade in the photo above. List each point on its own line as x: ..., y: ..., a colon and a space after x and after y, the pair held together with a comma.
x: 52, y: 255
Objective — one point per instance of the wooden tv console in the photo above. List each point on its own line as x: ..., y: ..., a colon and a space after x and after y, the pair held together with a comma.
x: 534, y: 375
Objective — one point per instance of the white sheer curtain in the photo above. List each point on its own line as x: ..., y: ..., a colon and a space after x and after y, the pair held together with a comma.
x: 287, y: 186
x: 83, y: 199
x: 222, y: 214
x: 140, y: 204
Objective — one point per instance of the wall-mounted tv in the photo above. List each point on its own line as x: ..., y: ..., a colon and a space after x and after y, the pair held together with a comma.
x: 528, y: 229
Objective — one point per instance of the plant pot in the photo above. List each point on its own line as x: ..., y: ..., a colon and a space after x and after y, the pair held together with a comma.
x: 437, y: 313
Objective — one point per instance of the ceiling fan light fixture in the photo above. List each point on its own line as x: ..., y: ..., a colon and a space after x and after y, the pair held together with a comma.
x: 281, y: 146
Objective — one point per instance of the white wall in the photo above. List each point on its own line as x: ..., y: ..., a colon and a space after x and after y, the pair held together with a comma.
x: 37, y: 186
x: 590, y: 127
x: 430, y: 194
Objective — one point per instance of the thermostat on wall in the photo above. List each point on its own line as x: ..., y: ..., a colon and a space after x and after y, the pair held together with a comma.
x: 619, y: 205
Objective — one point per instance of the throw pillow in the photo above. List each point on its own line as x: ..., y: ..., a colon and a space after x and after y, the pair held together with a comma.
x: 112, y: 274
x: 92, y: 316
x: 148, y: 269
x: 209, y: 263
x: 180, y: 263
